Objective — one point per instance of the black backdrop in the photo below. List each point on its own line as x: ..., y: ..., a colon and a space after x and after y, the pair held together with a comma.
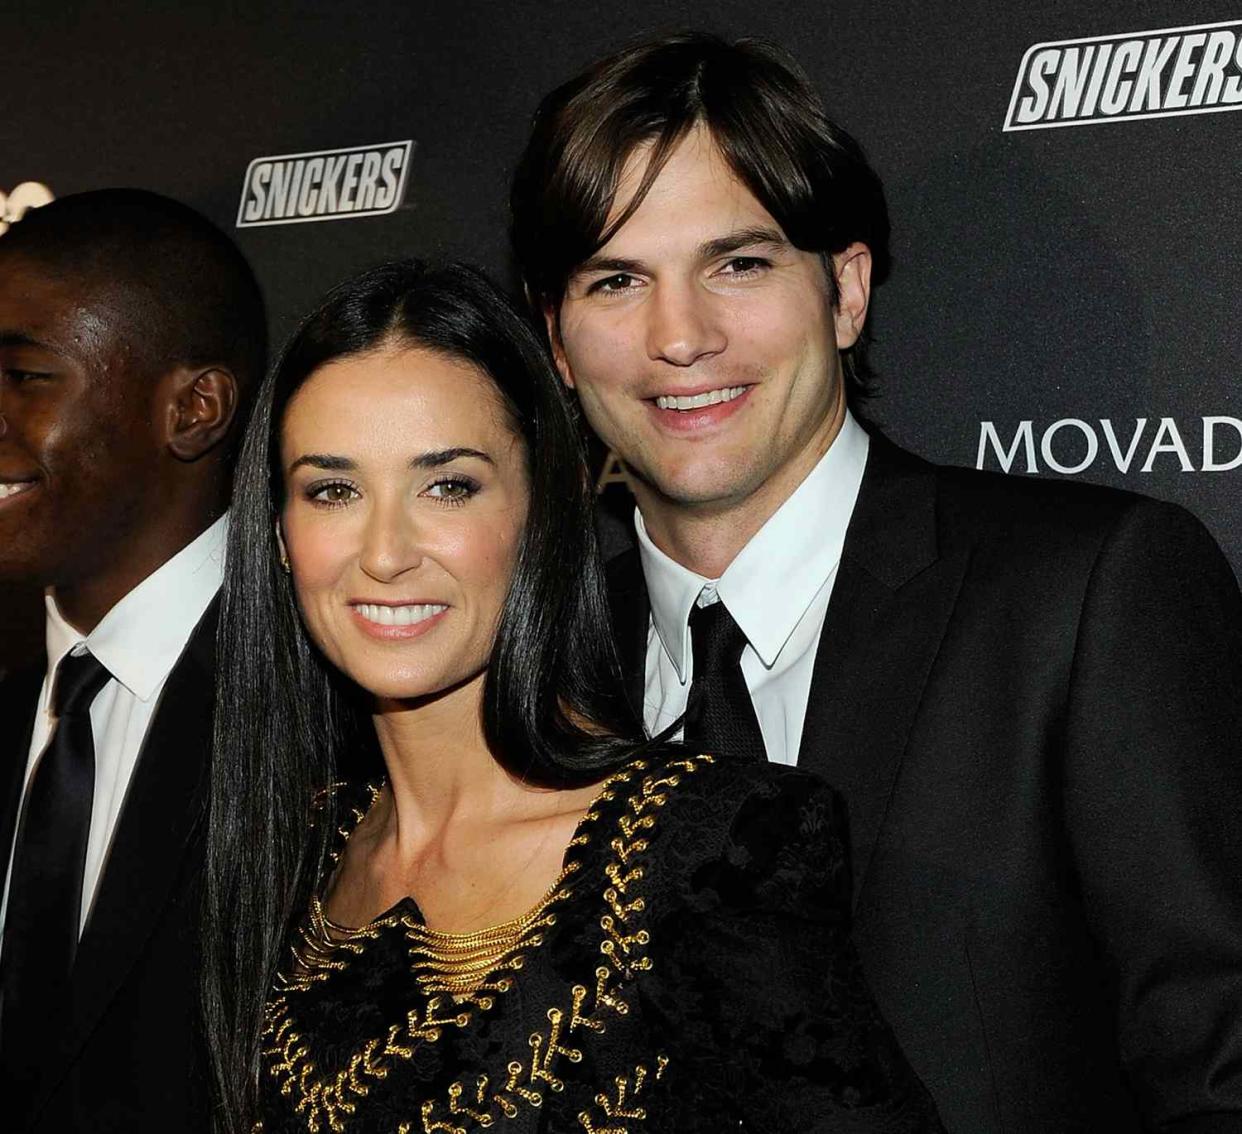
x: 1046, y: 281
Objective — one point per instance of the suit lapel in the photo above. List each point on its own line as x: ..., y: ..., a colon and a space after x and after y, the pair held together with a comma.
x: 631, y: 614
x: 890, y: 605
x: 891, y: 602
x: 163, y: 807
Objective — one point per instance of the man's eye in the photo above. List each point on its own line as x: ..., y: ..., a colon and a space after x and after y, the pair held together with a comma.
x: 619, y: 282
x: 18, y: 377
x: 745, y: 265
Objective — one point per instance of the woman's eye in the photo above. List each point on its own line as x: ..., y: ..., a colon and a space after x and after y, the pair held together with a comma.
x: 452, y: 490
x: 334, y: 493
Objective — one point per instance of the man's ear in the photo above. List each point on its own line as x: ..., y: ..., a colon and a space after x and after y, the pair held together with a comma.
x: 201, y: 406
x: 552, y: 321
x: 852, y: 268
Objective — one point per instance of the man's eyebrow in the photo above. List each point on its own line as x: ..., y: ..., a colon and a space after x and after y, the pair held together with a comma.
x: 708, y: 250
x: 330, y: 462
x: 607, y: 264
x: 21, y: 339
x: 741, y: 238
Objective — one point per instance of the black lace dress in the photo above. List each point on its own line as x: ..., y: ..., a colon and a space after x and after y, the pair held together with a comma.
x: 690, y: 971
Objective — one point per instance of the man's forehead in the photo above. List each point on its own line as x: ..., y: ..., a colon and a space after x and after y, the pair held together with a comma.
x: 695, y: 196
x: 697, y: 144
x: 59, y: 309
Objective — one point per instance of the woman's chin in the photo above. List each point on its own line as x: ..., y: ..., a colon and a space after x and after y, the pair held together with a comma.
x: 394, y: 692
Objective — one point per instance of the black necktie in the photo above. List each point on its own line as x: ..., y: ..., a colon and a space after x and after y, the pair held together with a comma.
x: 719, y: 716
x: 45, y: 888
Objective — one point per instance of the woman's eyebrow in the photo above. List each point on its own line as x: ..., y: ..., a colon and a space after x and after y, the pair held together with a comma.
x: 432, y: 459
x: 437, y: 457
x: 324, y: 461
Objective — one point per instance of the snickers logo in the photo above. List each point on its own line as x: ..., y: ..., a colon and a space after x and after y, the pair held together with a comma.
x: 363, y: 181
x: 1115, y: 78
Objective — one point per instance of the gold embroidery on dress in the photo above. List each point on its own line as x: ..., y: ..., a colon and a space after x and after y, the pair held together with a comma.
x: 462, y: 974
x: 623, y: 949
x: 622, y: 1103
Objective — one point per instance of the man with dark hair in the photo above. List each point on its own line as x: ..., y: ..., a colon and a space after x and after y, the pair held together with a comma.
x: 1029, y: 693
x: 131, y: 333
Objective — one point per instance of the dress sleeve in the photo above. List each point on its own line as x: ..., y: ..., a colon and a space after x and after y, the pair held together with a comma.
x: 770, y: 1022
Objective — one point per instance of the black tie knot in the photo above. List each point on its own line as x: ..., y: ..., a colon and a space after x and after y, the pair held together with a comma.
x: 79, y: 677
x: 717, y: 641
x: 719, y: 715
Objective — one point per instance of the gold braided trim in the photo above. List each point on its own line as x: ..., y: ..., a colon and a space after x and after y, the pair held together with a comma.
x: 461, y: 963
x: 622, y: 1102
x: 443, y: 962
x: 624, y: 951
x: 317, y: 954
x: 320, y: 803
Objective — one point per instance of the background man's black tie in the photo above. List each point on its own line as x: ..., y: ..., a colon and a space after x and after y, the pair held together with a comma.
x: 719, y: 716
x: 45, y: 888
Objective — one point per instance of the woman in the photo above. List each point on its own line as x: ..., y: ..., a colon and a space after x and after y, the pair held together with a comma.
x: 528, y: 916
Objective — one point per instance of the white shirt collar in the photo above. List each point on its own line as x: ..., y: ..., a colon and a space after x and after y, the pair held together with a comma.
x: 776, y: 576
x: 140, y: 639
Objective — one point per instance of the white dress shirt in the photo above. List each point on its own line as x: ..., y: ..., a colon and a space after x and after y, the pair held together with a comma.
x: 777, y: 590
x: 139, y: 642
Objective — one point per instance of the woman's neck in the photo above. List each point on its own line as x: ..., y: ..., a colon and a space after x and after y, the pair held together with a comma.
x: 440, y: 768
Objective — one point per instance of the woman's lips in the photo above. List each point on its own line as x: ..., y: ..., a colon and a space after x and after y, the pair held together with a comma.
x: 397, y: 620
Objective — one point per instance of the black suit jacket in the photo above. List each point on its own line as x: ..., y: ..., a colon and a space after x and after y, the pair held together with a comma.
x: 1030, y: 695
x: 131, y: 1058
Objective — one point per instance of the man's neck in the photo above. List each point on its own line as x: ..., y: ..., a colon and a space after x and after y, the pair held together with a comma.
x: 701, y: 540
x: 706, y: 538
x: 85, y: 601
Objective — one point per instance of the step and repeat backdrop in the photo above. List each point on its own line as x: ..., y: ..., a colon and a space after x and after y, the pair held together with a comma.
x: 1063, y: 181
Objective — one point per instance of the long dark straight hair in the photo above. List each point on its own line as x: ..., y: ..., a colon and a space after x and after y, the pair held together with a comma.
x: 288, y: 723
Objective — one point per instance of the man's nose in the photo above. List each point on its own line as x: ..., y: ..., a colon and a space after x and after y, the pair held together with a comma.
x: 684, y: 325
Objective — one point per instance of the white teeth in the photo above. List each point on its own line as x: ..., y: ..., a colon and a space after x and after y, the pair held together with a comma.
x: 398, y: 615
x: 12, y: 488
x: 698, y: 401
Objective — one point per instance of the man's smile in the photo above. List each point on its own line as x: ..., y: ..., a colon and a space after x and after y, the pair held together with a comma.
x: 683, y: 402
x: 680, y: 414
x: 10, y: 487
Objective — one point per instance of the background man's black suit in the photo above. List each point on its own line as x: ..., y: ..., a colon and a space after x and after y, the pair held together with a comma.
x: 131, y: 1059
x: 1030, y: 695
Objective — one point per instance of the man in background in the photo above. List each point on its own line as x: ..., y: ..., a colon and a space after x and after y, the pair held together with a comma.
x: 1029, y: 693
x: 131, y: 333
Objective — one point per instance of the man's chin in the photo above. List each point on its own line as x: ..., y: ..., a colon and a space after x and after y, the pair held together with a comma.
x: 31, y: 557
x: 705, y: 490
x: 18, y: 570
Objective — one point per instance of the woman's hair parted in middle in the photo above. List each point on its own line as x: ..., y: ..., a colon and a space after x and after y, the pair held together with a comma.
x: 287, y: 722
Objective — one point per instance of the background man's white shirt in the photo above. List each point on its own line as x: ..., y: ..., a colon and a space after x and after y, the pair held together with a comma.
x: 777, y: 590
x: 139, y: 641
